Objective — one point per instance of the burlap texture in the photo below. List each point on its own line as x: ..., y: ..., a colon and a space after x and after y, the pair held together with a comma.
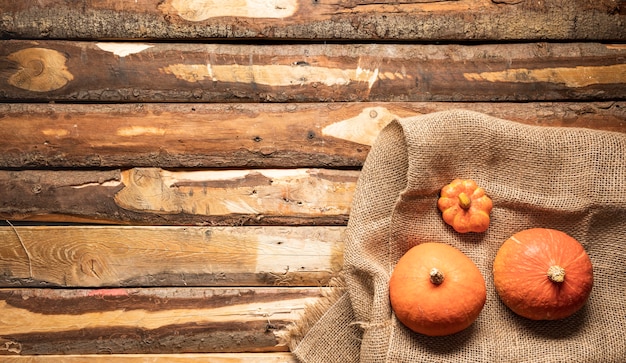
x: 569, y: 179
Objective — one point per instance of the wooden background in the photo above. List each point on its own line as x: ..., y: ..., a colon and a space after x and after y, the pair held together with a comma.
x: 176, y: 176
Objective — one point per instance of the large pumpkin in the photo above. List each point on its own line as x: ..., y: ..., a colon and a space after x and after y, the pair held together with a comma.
x: 465, y: 206
x: 543, y: 274
x: 436, y: 290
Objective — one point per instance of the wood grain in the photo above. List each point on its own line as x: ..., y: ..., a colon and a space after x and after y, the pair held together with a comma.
x: 222, y: 141
x: 98, y: 256
x: 416, y: 20
x: 149, y: 321
x: 182, y: 72
x: 249, y: 135
x: 158, y: 196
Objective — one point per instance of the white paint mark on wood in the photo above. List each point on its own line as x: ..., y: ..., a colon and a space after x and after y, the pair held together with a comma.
x: 272, y: 75
x: 10, y: 346
x: 370, y: 74
x: 123, y: 49
x: 171, y: 178
x: 581, y: 76
x: 39, y: 70
x: 363, y: 128
x: 239, y: 207
x: 108, y: 183
x: 295, y: 254
x: 131, y: 131
x: 200, y: 10
x: 55, y: 132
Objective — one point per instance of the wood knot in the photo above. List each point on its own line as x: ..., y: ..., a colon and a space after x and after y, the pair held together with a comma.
x: 39, y: 70
x: 34, y: 67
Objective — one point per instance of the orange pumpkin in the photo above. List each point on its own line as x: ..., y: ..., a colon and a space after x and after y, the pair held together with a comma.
x: 543, y: 274
x: 465, y: 206
x: 436, y: 290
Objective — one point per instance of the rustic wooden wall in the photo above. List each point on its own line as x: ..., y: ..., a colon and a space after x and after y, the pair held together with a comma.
x: 176, y: 176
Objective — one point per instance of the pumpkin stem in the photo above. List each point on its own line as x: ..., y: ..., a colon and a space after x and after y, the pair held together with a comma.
x: 556, y: 273
x: 464, y: 201
x: 436, y: 276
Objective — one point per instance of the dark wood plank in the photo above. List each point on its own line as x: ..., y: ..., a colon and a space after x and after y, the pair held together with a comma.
x: 423, y: 20
x: 148, y: 321
x: 159, y: 72
x: 158, y: 196
x: 97, y: 256
x: 329, y: 135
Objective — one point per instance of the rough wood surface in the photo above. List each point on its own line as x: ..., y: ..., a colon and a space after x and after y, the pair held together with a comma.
x: 280, y: 357
x: 211, y: 115
x: 97, y: 256
x: 179, y: 72
x: 430, y: 20
x: 158, y: 196
x: 148, y: 321
x: 328, y: 135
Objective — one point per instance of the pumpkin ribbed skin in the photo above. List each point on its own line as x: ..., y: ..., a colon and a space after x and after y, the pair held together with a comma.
x: 432, y: 309
x: 543, y: 274
x: 465, y: 206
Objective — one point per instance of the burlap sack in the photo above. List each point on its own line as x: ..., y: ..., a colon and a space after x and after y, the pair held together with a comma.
x: 569, y: 179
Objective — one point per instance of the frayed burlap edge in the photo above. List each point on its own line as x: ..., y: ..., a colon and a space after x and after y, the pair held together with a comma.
x: 312, y: 313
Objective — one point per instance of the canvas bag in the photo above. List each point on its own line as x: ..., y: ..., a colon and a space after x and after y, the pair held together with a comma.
x: 569, y: 179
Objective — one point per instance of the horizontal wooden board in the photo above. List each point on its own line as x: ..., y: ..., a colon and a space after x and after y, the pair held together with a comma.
x: 280, y: 357
x: 159, y: 196
x: 468, y: 20
x: 245, y: 135
x: 182, y: 72
x: 97, y: 256
x: 149, y: 321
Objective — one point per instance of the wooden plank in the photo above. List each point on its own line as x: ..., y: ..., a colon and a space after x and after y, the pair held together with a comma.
x: 97, y: 256
x: 423, y: 20
x: 158, y: 196
x: 179, y: 72
x: 298, y: 135
x: 149, y: 321
x: 157, y: 358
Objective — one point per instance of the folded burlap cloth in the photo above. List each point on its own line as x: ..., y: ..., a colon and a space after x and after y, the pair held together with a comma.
x: 569, y: 179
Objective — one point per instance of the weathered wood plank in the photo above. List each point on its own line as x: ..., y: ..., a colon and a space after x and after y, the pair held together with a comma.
x: 97, y: 256
x: 297, y: 135
x: 157, y: 358
x: 146, y: 321
x: 113, y: 72
x: 469, y: 20
x: 158, y: 196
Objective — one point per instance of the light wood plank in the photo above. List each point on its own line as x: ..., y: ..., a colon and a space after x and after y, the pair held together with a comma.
x: 157, y: 358
x: 423, y: 20
x: 95, y: 256
x: 329, y: 135
x: 158, y: 196
x: 147, y: 321
x: 180, y: 72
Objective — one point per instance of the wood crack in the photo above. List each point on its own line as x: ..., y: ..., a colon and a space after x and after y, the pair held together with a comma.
x: 28, y: 256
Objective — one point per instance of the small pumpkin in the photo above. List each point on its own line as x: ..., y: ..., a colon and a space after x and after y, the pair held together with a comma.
x: 465, y: 206
x: 435, y: 289
x: 543, y: 274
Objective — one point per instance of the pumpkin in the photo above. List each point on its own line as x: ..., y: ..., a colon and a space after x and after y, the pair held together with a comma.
x: 465, y: 206
x: 436, y: 290
x: 543, y: 274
